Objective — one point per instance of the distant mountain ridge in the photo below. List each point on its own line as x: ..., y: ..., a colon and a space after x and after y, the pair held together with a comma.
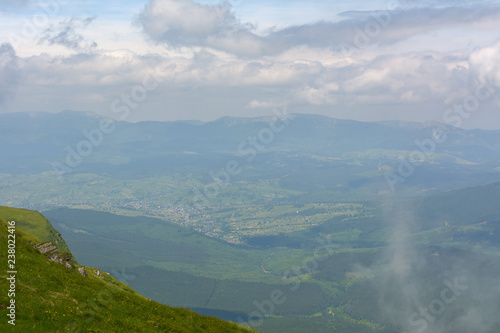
x: 56, y: 130
x: 33, y: 142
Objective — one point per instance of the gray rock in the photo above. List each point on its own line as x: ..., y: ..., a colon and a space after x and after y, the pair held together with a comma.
x: 82, y: 271
x: 46, y: 247
x: 52, y: 253
x: 55, y: 257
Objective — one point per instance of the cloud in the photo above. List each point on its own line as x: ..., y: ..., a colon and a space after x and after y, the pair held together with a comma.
x: 9, y: 72
x: 295, y: 77
x: 436, y: 289
x: 360, y: 30
x: 416, y: 77
x: 399, y: 24
x: 255, y: 104
x: 65, y: 34
x: 485, y: 63
x: 179, y: 23
x: 186, y: 23
x: 214, y: 58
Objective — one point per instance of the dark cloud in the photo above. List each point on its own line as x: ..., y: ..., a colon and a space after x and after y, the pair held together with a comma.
x: 9, y: 72
x: 360, y: 29
x: 181, y: 23
x: 65, y: 34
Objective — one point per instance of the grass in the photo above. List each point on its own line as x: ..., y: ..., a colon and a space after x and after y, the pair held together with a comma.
x: 35, y: 225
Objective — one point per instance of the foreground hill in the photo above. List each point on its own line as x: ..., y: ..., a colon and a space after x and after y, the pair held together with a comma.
x: 51, y: 297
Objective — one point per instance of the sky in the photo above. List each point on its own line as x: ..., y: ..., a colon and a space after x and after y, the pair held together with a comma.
x: 185, y: 59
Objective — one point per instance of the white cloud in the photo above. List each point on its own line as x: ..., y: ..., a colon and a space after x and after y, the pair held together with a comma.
x: 186, y: 23
x: 256, y: 104
x: 320, y: 95
x: 485, y: 63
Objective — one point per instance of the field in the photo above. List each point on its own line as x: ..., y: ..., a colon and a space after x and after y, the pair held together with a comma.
x: 242, y: 210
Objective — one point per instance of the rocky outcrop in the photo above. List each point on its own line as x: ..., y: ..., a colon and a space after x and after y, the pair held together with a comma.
x: 46, y: 247
x: 82, y: 271
x: 52, y: 253
x: 56, y: 258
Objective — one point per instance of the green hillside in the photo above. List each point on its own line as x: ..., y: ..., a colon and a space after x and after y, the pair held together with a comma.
x: 461, y: 207
x: 53, y: 298
x: 34, y: 224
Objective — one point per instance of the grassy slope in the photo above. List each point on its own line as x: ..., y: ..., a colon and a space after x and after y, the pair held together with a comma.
x: 53, y: 298
x: 35, y: 224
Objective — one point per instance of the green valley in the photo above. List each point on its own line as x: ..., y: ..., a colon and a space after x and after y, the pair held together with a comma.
x: 53, y: 298
x: 308, y: 236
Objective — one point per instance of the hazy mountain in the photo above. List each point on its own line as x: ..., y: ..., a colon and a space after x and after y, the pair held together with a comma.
x: 32, y: 142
